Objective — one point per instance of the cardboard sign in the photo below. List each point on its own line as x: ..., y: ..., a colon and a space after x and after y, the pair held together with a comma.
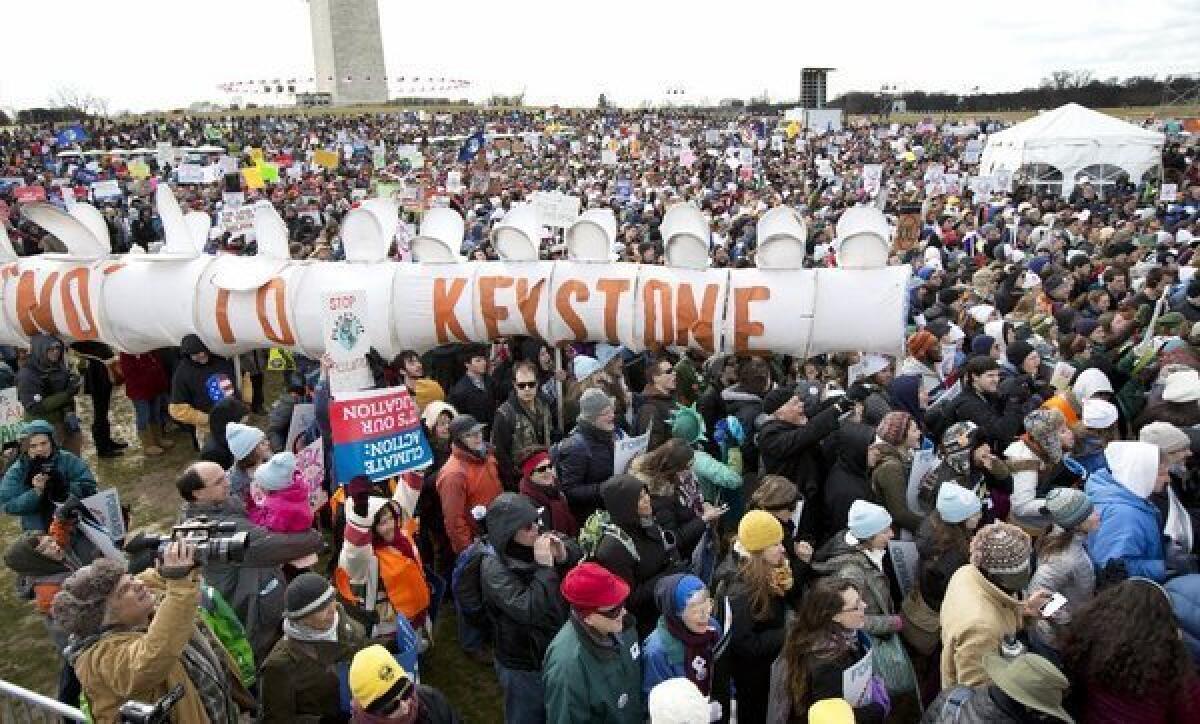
x: 238, y: 221
x: 310, y: 467
x: 626, y: 449
x: 194, y: 173
x: 303, y: 415
x: 12, y: 416
x: 922, y: 462
x: 326, y: 159
x: 608, y: 157
x: 347, y: 340
x: 377, y: 434
x: 29, y: 194
x: 1169, y: 193
x: 555, y: 208
x: 906, y: 562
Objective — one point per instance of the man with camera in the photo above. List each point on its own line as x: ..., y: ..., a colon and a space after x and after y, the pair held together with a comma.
x: 253, y: 585
x: 42, y: 476
x: 128, y: 644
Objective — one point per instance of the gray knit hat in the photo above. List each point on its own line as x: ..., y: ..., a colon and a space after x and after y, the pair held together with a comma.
x: 1068, y: 507
x: 79, y: 605
x: 307, y: 593
x: 1001, y: 549
x: 593, y: 403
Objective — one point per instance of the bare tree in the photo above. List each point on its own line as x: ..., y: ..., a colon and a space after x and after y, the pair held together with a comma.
x: 78, y: 102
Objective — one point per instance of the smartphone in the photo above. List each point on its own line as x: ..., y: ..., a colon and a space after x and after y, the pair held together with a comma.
x: 1056, y: 602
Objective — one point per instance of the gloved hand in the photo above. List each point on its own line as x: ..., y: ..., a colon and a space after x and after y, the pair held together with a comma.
x: 715, y: 712
x: 860, y: 391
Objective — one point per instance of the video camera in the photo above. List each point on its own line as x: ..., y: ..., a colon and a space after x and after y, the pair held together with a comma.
x: 216, y: 542
x: 136, y: 712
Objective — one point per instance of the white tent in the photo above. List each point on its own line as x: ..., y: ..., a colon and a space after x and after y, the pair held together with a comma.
x: 1067, y: 144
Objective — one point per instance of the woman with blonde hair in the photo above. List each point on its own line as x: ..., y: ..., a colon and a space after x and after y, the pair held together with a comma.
x: 755, y: 577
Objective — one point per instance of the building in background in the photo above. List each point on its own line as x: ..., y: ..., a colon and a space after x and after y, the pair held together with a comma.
x: 813, y: 87
x: 348, y: 51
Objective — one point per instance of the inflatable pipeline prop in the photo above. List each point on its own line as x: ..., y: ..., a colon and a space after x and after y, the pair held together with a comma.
x: 138, y: 302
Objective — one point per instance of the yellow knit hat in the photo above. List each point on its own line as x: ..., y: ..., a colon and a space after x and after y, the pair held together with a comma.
x: 831, y: 711
x: 376, y: 678
x: 759, y: 530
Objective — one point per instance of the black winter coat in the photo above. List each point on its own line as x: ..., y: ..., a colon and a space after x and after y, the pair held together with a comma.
x: 584, y: 462
x: 848, y: 480
x: 1001, y: 421
x: 467, y: 399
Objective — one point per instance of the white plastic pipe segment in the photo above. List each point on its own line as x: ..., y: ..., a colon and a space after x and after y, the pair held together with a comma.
x: 140, y: 302
x: 519, y: 234
x: 863, y: 238
x: 685, y: 231
x: 592, y: 236
x: 781, y: 240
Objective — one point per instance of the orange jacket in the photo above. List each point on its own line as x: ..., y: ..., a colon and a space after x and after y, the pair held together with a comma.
x: 464, y: 482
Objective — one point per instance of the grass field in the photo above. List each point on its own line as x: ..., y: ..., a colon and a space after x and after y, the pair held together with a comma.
x: 147, y: 485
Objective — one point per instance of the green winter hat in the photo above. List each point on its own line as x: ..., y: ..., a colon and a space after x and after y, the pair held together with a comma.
x: 688, y: 425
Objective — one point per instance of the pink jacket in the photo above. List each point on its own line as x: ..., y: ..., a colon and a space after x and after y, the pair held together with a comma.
x: 284, y: 511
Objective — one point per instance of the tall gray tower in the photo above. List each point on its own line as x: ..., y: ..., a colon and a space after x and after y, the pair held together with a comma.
x: 348, y: 50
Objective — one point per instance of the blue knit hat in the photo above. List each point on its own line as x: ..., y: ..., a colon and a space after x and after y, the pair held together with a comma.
x: 684, y: 590
x: 276, y: 473
x: 955, y: 503
x: 867, y: 519
x: 242, y: 439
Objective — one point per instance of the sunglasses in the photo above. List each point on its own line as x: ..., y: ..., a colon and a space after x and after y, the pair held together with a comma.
x: 612, y: 614
x: 526, y: 385
x: 541, y: 469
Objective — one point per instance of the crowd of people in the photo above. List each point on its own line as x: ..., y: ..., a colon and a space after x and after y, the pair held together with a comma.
x: 996, y: 524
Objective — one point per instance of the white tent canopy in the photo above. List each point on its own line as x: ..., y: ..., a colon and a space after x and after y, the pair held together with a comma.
x: 1064, y: 145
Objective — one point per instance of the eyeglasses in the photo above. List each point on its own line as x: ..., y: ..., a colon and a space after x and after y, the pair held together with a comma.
x: 611, y: 614
x: 526, y: 385
x: 541, y: 469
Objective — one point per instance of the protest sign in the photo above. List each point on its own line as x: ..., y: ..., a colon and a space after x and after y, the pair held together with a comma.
x: 165, y: 153
x: 923, y: 461
x: 377, y: 434
x: 139, y: 170
x: 1169, y: 193
x: 280, y: 360
x: 303, y: 415
x: 856, y: 681
x: 555, y: 208
x: 29, y: 194
x: 624, y: 189
x: 253, y: 178
x: 107, y: 190
x: 608, y: 157
x: 626, y: 449
x: 1002, y: 180
x: 347, y: 340
x: 712, y: 137
x: 310, y: 467
x: 105, y: 507
x: 905, y: 562
x: 194, y: 173
x: 237, y: 221
x: 326, y: 159
x: 1061, y: 378
x: 12, y: 416
x: 872, y: 178
x: 454, y: 182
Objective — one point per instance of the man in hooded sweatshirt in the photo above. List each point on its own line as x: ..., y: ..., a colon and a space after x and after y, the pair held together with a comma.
x: 470, y: 478
x: 520, y: 586
x: 1130, y: 529
x: 634, y: 547
x: 46, y: 389
x: 201, y: 380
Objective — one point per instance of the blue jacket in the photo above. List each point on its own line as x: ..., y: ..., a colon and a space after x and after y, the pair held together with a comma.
x: 662, y: 656
x: 1185, y: 600
x: 1130, y: 529
x: 19, y: 497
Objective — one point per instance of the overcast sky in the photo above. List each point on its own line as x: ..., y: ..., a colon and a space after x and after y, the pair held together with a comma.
x: 146, y: 54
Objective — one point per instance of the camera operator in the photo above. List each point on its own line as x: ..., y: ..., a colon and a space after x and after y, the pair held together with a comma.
x: 126, y: 644
x: 254, y: 587
x: 43, y: 475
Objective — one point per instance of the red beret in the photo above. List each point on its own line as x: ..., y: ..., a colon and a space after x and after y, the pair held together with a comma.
x: 589, y: 586
x: 920, y: 343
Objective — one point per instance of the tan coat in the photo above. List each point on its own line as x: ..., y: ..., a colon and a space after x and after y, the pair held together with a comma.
x: 976, y: 616
x: 144, y: 665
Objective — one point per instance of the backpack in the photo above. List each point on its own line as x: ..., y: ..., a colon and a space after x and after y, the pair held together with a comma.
x: 466, y: 579
x: 598, y: 525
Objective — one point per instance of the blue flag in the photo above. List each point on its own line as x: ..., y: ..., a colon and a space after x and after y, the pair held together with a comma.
x: 71, y: 135
x: 471, y: 147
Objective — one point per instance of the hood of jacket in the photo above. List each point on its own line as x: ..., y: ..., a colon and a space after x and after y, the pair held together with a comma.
x: 39, y: 345
x: 192, y: 344
x: 1134, y: 466
x: 23, y: 558
x: 228, y: 410
x: 620, y: 496
x: 826, y: 559
x: 508, y: 513
x: 40, y: 427
x: 853, y: 440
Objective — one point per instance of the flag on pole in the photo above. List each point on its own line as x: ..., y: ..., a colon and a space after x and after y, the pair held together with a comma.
x: 471, y: 147
x: 71, y: 135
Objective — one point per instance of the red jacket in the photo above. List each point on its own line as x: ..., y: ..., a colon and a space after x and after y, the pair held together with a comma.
x: 145, y: 377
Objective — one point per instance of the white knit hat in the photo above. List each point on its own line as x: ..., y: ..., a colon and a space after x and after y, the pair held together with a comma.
x: 276, y: 473
x: 677, y: 701
x: 1098, y: 414
x: 242, y: 439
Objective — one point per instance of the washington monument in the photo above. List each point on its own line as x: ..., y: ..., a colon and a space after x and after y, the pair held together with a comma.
x: 348, y: 50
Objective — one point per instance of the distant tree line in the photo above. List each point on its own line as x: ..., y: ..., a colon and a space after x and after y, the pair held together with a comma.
x: 1063, y: 86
